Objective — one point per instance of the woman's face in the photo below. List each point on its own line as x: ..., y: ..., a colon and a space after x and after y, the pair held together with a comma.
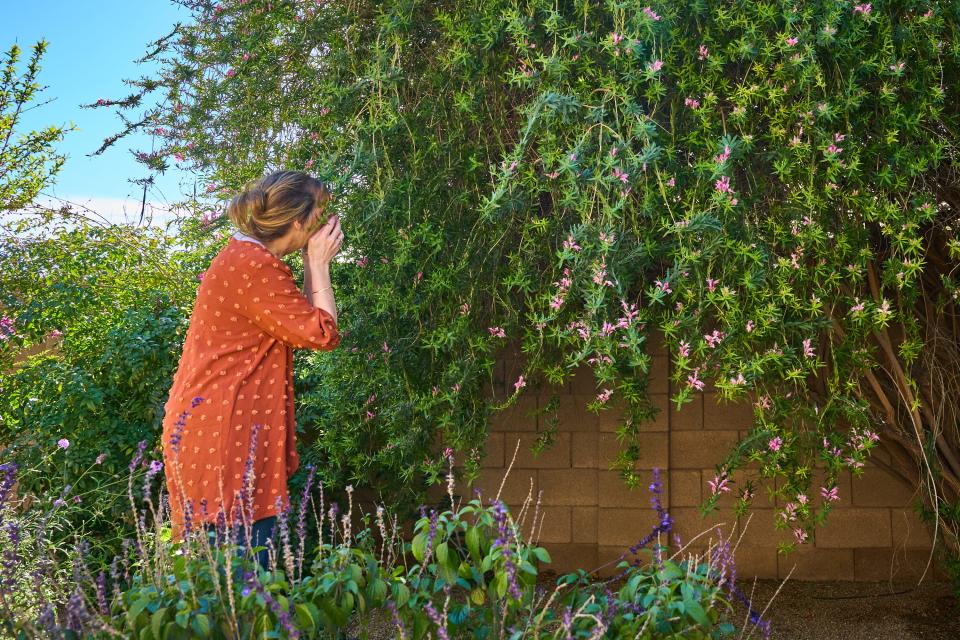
x: 318, y: 217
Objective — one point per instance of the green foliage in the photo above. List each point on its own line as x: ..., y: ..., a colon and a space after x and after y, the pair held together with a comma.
x: 469, y: 571
x: 28, y: 162
x: 768, y: 187
x: 111, y: 305
x: 761, y: 185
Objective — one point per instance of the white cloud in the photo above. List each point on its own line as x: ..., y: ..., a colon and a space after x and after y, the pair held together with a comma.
x: 111, y: 210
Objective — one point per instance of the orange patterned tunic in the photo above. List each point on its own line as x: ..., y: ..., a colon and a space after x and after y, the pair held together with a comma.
x: 237, y: 356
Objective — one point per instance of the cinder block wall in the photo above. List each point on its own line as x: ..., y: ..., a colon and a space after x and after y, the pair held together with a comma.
x: 591, y: 517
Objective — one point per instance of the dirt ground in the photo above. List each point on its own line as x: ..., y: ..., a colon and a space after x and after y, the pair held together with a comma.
x: 855, y: 610
x: 825, y: 611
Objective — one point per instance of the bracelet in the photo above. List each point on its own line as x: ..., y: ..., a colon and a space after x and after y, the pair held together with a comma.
x: 324, y: 289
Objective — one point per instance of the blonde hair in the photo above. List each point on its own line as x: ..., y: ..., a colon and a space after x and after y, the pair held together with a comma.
x: 268, y: 206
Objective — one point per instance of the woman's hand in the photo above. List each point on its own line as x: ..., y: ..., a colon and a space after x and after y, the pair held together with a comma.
x: 325, y: 243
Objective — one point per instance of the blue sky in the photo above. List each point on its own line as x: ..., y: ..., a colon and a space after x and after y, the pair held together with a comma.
x: 92, y: 48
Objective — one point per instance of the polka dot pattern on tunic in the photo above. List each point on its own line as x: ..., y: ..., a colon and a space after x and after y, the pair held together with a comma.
x: 248, y: 317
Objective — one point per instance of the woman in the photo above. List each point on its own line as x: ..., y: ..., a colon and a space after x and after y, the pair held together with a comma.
x: 235, y: 377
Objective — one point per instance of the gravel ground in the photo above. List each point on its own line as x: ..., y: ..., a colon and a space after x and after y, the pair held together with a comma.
x: 855, y: 610
x: 823, y: 611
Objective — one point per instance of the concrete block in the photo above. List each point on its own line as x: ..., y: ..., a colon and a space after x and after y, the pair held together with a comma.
x: 583, y: 524
x: 584, y: 450
x: 811, y: 563
x: 701, y: 449
x: 569, y: 486
x: 855, y: 527
x: 519, y: 416
x: 725, y: 415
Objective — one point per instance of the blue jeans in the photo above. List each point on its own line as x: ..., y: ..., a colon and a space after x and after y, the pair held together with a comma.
x: 260, y: 532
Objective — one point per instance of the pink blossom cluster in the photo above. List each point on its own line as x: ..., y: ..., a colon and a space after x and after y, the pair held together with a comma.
x: 714, y: 338
x: 600, y: 274
x: 571, y: 243
x: 564, y: 287
x: 6, y: 328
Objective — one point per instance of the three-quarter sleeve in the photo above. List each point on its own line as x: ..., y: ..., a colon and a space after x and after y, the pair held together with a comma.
x: 277, y: 306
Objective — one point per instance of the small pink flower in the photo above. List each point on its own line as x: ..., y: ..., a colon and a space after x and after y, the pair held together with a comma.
x: 519, y: 384
x: 862, y: 8
x: 749, y: 326
x: 721, y: 158
x: 456, y: 387
x: 604, y: 396
x: 704, y: 52
x: 178, y: 157
x: 792, y: 41
x: 799, y: 534
x: 831, y: 495
x: 719, y: 484
x: 807, y: 349
x: 690, y: 102
x: 656, y: 65
x: 663, y: 285
x: 711, y: 284
x: 694, y: 380
x: 775, y: 444
x: 231, y: 72
x: 650, y: 13
x: 723, y: 185
x: 620, y: 175
x: 386, y: 347
x: 671, y: 182
x: 684, y: 349
x: 497, y: 331
x: 616, y: 38
x: 200, y: 275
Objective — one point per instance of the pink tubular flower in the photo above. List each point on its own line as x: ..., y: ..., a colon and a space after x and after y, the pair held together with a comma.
x: 862, y: 8
x: 604, y: 396
x: 616, y: 37
x: 694, y: 381
x: 721, y: 158
x: 703, y: 52
x: 497, y: 331
x: 520, y: 383
x: 663, y: 285
x: 63, y: 443
x: 684, y: 349
x: 690, y: 102
x: 656, y: 65
x: 775, y: 444
x: 749, y: 326
x: 800, y: 534
x: 723, y: 185
x: 807, y: 349
x: 831, y: 495
x: 650, y: 13
x: 620, y: 175
x: 231, y: 72
x: 719, y: 484
x: 711, y: 284
x: 792, y: 41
